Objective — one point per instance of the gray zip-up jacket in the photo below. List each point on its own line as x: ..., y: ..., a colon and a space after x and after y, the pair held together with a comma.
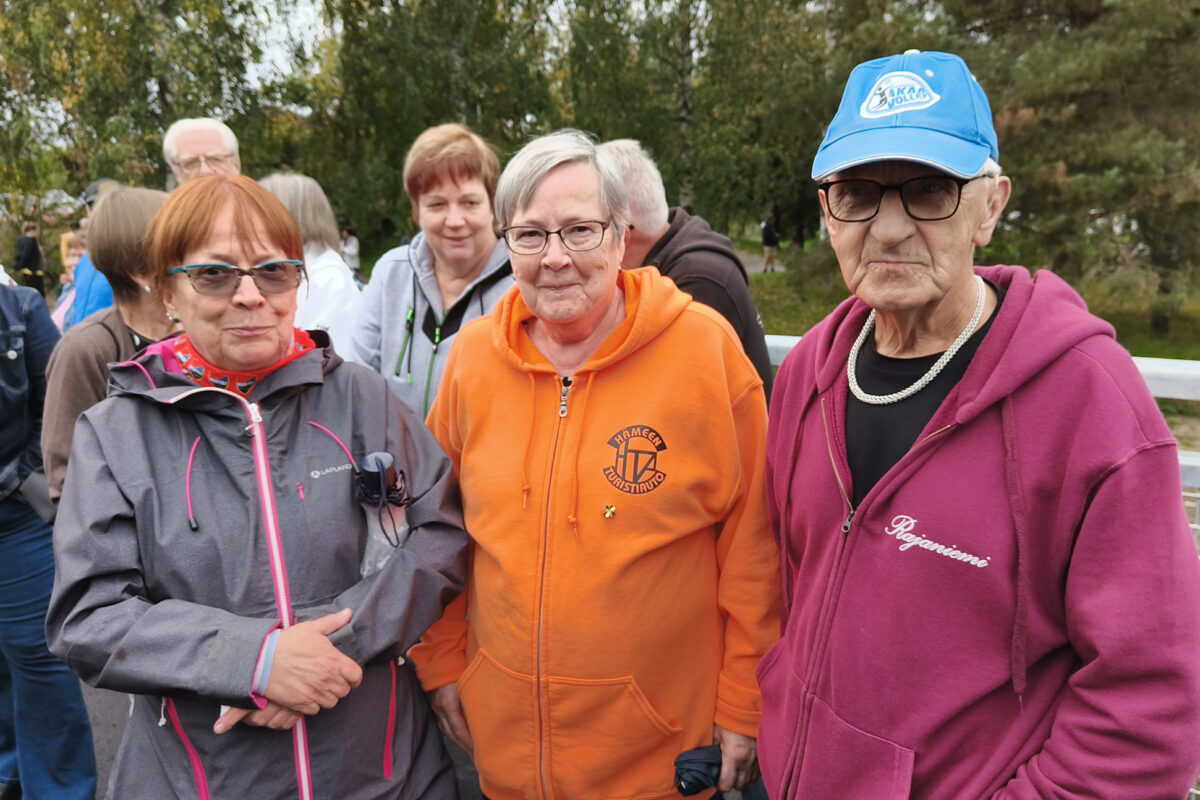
x: 193, y: 522
x: 404, y: 333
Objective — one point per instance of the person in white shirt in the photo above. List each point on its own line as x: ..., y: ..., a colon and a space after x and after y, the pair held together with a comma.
x: 331, y: 299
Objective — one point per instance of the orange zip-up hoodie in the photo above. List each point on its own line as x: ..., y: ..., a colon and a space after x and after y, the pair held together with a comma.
x: 624, y: 581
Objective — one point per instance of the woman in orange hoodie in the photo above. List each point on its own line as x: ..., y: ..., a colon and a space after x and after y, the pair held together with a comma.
x: 608, y: 433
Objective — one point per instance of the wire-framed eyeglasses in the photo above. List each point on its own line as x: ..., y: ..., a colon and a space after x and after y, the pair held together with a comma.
x: 191, y: 164
x: 577, y: 237
x: 927, y: 198
x: 221, y: 280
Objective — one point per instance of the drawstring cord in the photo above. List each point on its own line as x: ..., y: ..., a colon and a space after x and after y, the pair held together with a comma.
x: 573, y: 517
x: 193, y: 523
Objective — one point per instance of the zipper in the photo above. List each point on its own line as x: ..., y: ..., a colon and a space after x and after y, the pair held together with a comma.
x: 543, y: 739
x: 270, y: 517
x: 562, y: 401
x: 837, y: 475
x: 193, y: 757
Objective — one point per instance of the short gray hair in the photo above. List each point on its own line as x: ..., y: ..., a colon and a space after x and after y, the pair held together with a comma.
x: 990, y: 169
x: 305, y: 200
x: 643, y: 185
x: 530, y: 166
x: 199, y: 124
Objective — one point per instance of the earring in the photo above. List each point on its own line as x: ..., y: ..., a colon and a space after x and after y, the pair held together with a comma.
x: 148, y: 289
x: 171, y: 316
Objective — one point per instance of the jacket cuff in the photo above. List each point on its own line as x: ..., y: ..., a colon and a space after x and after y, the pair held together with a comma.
x: 262, y: 667
x: 739, y: 708
x: 441, y: 671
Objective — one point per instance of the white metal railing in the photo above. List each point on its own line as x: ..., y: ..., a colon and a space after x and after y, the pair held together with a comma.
x: 1167, y: 378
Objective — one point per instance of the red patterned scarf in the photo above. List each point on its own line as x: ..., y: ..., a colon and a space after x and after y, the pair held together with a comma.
x: 205, y: 374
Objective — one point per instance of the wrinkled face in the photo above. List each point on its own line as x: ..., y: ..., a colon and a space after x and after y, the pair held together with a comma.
x: 894, y: 263
x: 562, y: 288
x: 457, y: 221
x: 244, y: 331
x: 200, y: 153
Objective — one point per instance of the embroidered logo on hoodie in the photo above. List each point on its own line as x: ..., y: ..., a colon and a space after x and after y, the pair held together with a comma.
x: 635, y: 468
x: 902, y: 528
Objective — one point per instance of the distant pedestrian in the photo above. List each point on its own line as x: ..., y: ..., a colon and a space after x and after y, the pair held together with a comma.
x: 770, y: 242
x: 29, y: 264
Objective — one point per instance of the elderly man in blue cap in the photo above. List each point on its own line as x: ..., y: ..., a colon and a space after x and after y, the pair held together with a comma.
x: 989, y: 584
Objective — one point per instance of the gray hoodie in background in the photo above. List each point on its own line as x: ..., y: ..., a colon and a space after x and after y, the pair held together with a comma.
x: 404, y: 333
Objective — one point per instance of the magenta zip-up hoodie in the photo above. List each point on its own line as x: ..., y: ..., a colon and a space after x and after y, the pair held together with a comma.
x: 1013, y: 611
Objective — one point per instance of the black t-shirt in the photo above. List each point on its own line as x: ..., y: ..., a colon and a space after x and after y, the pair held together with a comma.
x: 878, y: 436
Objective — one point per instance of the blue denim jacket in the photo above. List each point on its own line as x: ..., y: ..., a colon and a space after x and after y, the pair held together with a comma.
x: 27, y: 335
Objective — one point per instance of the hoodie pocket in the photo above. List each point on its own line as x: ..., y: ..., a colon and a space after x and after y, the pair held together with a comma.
x: 607, y: 740
x: 840, y: 760
x: 499, y: 706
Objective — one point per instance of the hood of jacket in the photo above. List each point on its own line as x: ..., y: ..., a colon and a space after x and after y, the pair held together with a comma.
x: 689, y: 234
x: 651, y: 305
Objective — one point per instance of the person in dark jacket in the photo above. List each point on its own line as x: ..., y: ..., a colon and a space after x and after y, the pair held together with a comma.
x: 29, y: 262
x: 232, y: 547
x: 45, y: 737
x: 687, y: 250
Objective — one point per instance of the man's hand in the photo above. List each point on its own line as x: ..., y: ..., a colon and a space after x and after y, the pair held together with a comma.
x: 451, y: 718
x: 272, y: 716
x: 308, y: 672
x: 739, y: 759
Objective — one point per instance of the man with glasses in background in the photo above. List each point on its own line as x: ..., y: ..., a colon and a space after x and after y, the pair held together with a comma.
x: 990, y: 588
x: 203, y: 146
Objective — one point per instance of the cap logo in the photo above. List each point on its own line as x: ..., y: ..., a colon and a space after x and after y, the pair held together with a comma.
x: 897, y: 92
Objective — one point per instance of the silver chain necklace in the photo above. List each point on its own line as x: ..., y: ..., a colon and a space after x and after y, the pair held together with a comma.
x: 923, y: 381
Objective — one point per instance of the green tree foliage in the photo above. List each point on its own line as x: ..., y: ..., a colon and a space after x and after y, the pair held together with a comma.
x: 112, y: 74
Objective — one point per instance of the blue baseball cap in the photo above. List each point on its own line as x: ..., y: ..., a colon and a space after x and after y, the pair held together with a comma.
x: 918, y: 106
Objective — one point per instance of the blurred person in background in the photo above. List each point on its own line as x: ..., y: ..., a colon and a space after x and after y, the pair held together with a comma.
x: 329, y: 299
x: 452, y: 272
x: 92, y: 291
x: 28, y: 265
x: 45, y: 738
x: 194, y: 148
x: 686, y: 249
x: 76, y: 246
x: 77, y: 376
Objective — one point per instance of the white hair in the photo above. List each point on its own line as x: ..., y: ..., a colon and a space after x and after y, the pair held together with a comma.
x: 533, y: 162
x: 199, y: 124
x: 643, y: 184
x: 990, y: 169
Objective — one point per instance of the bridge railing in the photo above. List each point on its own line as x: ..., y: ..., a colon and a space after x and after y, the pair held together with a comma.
x: 1171, y: 378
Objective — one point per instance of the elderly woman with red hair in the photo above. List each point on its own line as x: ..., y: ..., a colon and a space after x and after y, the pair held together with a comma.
x: 212, y: 542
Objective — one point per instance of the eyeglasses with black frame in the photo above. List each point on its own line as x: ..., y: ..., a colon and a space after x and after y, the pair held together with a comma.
x: 578, y: 237
x: 927, y: 198
x: 221, y: 280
